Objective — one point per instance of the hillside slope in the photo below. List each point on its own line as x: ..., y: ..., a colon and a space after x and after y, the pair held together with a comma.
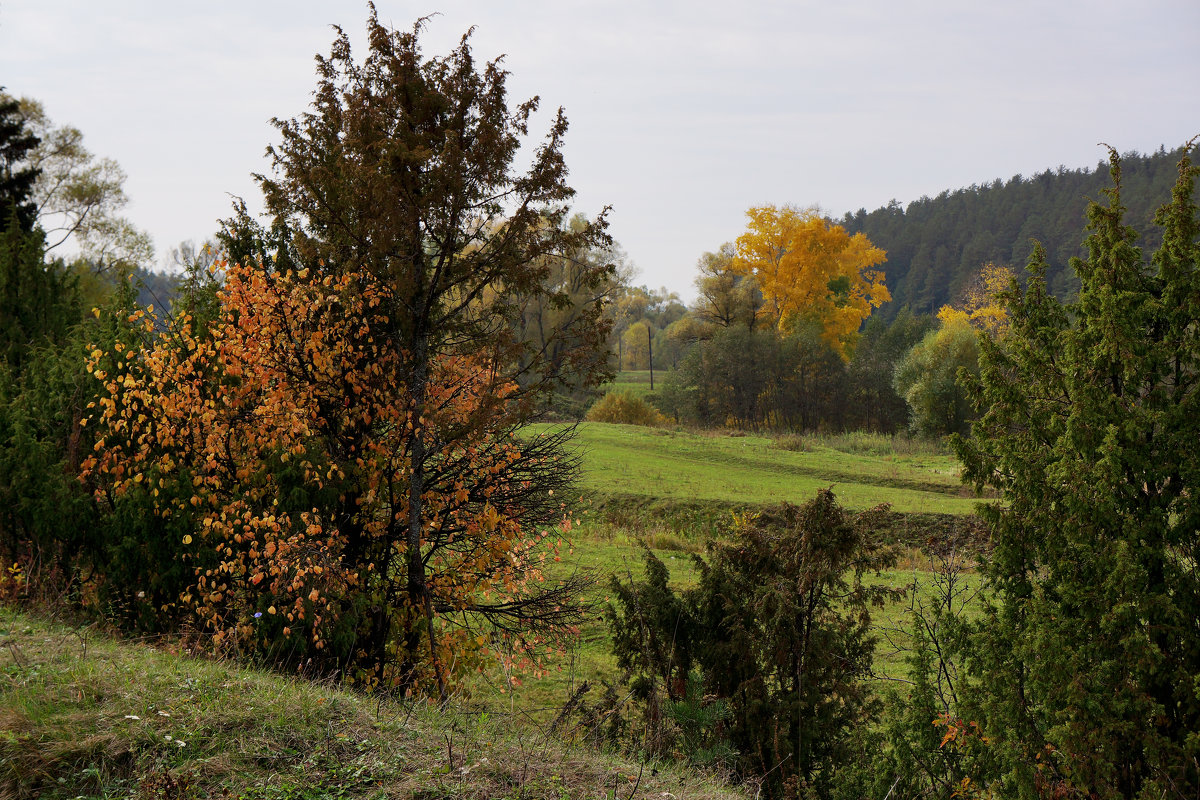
x: 83, y: 715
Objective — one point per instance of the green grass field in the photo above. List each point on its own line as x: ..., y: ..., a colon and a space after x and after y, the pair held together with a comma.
x: 635, y: 381
x: 663, y: 464
x: 670, y: 488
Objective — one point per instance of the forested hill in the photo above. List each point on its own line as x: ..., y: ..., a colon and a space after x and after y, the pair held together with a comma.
x: 936, y: 245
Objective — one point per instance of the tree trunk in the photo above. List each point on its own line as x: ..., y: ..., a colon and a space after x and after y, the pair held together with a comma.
x: 418, y: 588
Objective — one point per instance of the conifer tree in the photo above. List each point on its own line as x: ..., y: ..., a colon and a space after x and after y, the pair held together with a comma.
x: 16, y: 177
x: 41, y: 505
x: 1087, y: 660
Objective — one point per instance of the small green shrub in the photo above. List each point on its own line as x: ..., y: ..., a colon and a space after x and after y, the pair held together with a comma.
x: 626, y: 409
x: 766, y: 660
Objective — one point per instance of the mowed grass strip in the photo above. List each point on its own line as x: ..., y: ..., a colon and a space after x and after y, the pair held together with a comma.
x: 663, y: 464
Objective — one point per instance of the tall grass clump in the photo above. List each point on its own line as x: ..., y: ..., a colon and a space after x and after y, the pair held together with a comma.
x: 626, y: 409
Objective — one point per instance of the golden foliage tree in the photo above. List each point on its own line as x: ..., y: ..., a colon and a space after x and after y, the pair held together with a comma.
x: 811, y: 270
x: 927, y: 376
x: 981, y: 306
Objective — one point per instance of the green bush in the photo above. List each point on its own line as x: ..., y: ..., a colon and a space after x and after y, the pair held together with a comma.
x: 777, y: 634
x: 626, y: 409
x: 927, y: 379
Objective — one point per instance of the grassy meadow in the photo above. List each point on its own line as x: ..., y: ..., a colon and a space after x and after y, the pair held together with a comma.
x: 602, y: 550
x: 635, y: 381
x: 673, y: 465
x: 84, y: 715
x: 675, y: 490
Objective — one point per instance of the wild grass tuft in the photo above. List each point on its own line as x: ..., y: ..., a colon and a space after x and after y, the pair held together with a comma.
x: 864, y: 443
x: 626, y: 408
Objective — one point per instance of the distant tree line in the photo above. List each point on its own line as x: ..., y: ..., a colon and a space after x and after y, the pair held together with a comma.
x: 781, y: 334
x: 733, y: 359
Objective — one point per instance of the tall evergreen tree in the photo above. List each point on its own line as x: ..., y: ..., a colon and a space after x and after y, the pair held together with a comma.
x: 1087, y: 662
x: 16, y: 178
x: 41, y: 505
x: 36, y: 299
x: 39, y: 302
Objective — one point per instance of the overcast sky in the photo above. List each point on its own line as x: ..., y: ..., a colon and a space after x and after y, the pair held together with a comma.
x: 683, y: 114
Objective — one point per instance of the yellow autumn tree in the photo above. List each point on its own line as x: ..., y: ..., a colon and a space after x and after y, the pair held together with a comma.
x: 979, y: 306
x: 810, y: 270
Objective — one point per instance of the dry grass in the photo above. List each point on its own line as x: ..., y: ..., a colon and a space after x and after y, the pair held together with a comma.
x: 84, y: 715
x: 864, y: 443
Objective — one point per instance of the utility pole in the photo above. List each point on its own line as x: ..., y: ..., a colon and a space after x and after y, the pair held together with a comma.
x: 650, y: 351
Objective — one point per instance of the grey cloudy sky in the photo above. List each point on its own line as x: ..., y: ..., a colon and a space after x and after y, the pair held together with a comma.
x: 683, y: 114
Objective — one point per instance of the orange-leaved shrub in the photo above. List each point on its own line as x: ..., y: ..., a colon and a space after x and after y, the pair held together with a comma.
x: 277, y: 432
